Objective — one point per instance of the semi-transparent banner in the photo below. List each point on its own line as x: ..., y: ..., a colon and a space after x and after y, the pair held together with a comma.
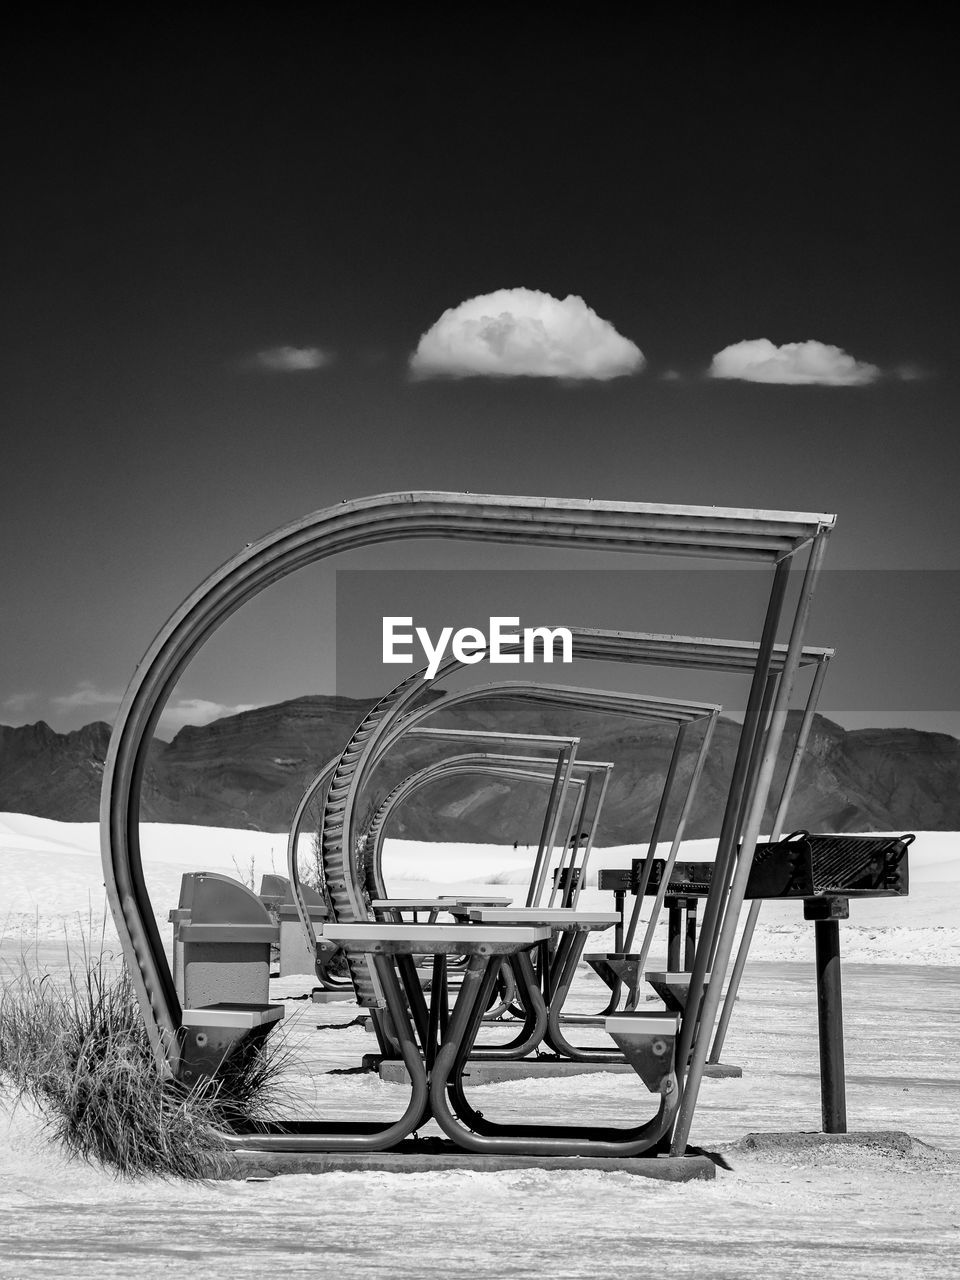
x: 894, y: 631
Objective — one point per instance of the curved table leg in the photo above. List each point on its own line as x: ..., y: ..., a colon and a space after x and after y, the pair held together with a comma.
x: 460, y: 1122
x: 359, y: 1135
x: 535, y: 1017
x: 564, y: 972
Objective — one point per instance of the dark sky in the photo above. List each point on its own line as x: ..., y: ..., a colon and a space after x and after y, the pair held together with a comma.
x: 187, y: 188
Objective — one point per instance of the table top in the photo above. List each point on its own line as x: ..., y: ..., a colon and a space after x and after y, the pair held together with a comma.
x: 552, y: 917
x: 475, y: 900
x: 409, y: 904
x: 438, y: 939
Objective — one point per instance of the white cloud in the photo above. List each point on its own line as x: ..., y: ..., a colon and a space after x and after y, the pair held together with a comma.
x: 291, y: 359
x: 523, y: 332
x: 759, y: 360
x: 198, y: 711
x: 911, y: 373
x: 85, y: 695
x: 18, y: 702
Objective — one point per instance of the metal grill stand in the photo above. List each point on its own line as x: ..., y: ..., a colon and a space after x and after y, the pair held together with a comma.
x: 826, y: 913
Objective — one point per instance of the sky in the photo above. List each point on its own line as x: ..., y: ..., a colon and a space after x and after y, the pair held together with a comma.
x: 261, y: 259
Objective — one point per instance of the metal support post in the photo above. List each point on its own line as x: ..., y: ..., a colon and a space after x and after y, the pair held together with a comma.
x: 591, y: 836
x: 619, y: 897
x: 690, y: 945
x: 655, y: 835
x: 739, y: 783
x: 833, y: 1094
x: 746, y: 800
x: 542, y: 855
x: 571, y: 842
x: 674, y: 930
x: 675, y: 847
x: 786, y: 795
x: 700, y: 1033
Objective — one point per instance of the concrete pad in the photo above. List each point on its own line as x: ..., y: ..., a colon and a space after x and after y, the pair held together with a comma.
x: 445, y: 1157
x: 394, y: 1072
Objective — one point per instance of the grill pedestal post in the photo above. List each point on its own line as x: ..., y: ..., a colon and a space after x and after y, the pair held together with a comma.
x: 827, y: 914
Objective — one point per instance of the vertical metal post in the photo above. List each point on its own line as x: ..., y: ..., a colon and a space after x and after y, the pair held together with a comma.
x: 739, y: 783
x: 674, y: 931
x: 592, y: 831
x: 619, y: 897
x: 655, y: 834
x: 763, y: 723
x: 833, y: 1098
x: 545, y: 829
x: 786, y: 795
x: 675, y: 847
x: 570, y: 753
x: 711, y: 999
x: 690, y: 944
x: 573, y: 826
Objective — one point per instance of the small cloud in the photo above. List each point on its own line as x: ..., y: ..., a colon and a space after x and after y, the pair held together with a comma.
x: 524, y: 333
x: 85, y: 695
x: 670, y: 375
x: 198, y: 711
x: 910, y: 373
x: 291, y: 359
x: 794, y: 362
x: 17, y: 703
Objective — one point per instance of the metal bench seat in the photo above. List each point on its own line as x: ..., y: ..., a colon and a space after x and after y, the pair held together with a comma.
x: 213, y: 1033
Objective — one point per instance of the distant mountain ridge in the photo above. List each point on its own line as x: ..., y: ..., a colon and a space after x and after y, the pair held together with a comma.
x: 250, y: 770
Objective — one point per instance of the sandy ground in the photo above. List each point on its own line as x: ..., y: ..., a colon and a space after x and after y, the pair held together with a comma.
x: 864, y: 1208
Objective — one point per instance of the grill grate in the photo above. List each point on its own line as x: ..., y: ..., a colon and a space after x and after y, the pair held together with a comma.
x: 808, y: 866
x: 851, y: 864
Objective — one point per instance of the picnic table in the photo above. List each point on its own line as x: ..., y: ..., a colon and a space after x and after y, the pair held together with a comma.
x: 436, y: 1041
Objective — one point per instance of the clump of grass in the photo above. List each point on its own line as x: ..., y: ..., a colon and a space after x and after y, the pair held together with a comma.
x: 78, y: 1050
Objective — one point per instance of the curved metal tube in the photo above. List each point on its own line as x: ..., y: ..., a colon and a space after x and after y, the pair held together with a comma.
x: 586, y: 644
x: 468, y: 1128
x: 366, y: 521
x: 481, y: 763
x: 724, y: 533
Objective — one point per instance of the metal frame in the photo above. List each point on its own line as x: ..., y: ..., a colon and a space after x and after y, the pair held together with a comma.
x: 561, y: 781
x: 667, y: 709
x: 585, y: 646
x: 628, y: 704
x: 771, y: 538
x: 497, y: 764
x: 786, y: 795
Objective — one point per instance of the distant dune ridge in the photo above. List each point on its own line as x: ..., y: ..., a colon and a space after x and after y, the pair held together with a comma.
x: 249, y: 770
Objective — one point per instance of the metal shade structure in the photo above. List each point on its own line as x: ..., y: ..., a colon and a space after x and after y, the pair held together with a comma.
x: 668, y: 710
x: 641, y: 706
x: 770, y: 538
x: 495, y: 764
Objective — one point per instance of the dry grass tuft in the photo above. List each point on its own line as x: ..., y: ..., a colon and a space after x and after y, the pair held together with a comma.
x: 79, y: 1051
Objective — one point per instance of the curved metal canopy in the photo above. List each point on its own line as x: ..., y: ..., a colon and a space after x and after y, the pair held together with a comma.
x: 727, y: 533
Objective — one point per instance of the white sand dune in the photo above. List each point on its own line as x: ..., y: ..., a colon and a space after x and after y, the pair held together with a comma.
x: 52, y: 884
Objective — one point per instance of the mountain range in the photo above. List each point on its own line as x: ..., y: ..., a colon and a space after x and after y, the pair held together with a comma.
x: 250, y: 770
